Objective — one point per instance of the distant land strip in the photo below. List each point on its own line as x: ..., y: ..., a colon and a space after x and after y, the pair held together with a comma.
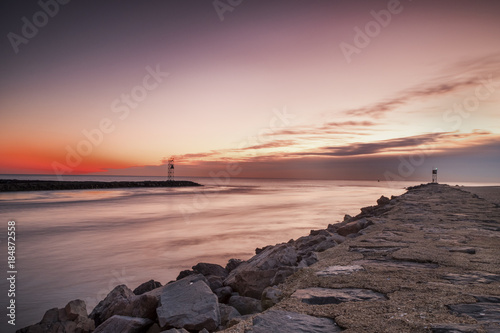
x: 12, y: 185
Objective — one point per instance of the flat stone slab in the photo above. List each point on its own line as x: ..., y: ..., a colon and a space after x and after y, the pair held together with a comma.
x: 486, y: 310
x: 454, y: 328
x: 472, y: 278
x: 322, y: 296
x: 285, y: 321
x: 373, y: 249
x: 396, y: 264
x: 338, y: 270
x: 467, y: 250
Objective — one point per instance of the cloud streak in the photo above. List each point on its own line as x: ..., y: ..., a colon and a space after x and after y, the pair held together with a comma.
x: 463, y: 75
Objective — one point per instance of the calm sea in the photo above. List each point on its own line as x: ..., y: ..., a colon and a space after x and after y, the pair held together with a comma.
x: 82, y: 243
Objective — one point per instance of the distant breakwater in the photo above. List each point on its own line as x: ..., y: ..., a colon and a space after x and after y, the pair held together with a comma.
x: 13, y: 185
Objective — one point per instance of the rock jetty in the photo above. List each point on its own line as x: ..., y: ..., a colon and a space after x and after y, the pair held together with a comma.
x: 425, y: 261
x: 12, y: 185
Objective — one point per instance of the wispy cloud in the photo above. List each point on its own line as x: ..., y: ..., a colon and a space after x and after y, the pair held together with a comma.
x: 463, y: 75
x: 272, y: 144
x: 430, y: 142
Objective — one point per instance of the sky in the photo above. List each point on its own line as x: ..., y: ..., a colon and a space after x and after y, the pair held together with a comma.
x: 238, y: 88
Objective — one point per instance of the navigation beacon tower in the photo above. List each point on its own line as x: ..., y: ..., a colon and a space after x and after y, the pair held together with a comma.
x: 435, y: 175
x: 170, y: 168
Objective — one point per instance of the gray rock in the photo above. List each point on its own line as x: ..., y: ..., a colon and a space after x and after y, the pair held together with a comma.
x: 210, y: 269
x: 316, y: 243
x: 265, y: 269
x: 223, y: 294
x: 321, y: 296
x: 349, y: 228
x: 124, y: 324
x: 339, y: 270
x: 75, y: 309
x: 215, y: 282
x: 144, y: 306
x: 284, y: 321
x: 454, y: 328
x: 270, y: 297
x: 154, y: 329
x: 467, y: 250
x: 189, y: 303
x: 382, y: 201
x: 483, y: 312
x: 122, y: 301
x: 472, y: 278
x: 232, y: 264
x: 320, y: 232
x: 71, y: 319
x: 184, y: 273
x: 146, y: 286
x: 227, y: 313
x: 117, y: 302
x: 175, y: 330
x: 245, y: 305
x: 204, y: 331
x: 308, y: 260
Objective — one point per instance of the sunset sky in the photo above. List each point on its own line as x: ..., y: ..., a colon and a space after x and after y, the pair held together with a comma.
x: 276, y: 89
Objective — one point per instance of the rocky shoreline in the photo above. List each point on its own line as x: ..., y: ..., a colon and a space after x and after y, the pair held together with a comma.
x: 425, y: 261
x: 13, y: 185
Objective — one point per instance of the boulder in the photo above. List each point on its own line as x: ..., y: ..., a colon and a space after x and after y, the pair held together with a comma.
x: 316, y: 243
x: 144, y: 306
x: 349, y: 228
x: 154, y: 329
x: 70, y: 319
x: 271, y: 266
x: 270, y: 297
x: 210, y: 269
x: 146, y: 286
x: 227, y: 313
x: 124, y: 324
x: 215, y: 282
x: 223, y: 294
x: 245, y: 305
x: 285, y: 321
x: 184, y: 273
x: 122, y: 301
x: 189, y: 303
x: 232, y: 264
x: 116, y: 302
x: 175, y: 330
x: 354, y: 227
x: 308, y: 260
x: 323, y: 232
x: 382, y: 201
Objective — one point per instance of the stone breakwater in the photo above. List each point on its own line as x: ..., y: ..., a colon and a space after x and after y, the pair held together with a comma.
x: 426, y: 261
x: 12, y: 185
